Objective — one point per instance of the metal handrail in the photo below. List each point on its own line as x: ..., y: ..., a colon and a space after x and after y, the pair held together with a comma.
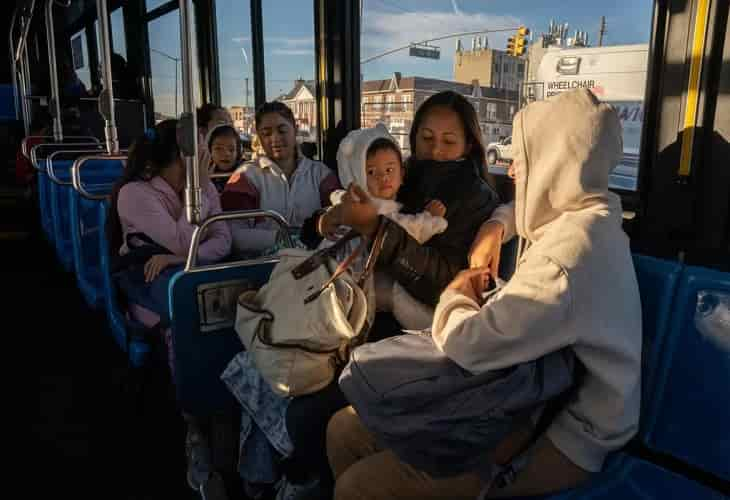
x: 190, y: 264
x: 49, y: 164
x: 106, y: 98
x: 76, y: 174
x: 13, y: 66
x: 189, y: 145
x: 220, y: 175
x: 52, y: 71
x: 22, y: 41
x: 34, y: 154
x: 24, y: 143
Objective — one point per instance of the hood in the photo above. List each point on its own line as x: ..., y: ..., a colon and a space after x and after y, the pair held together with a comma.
x: 564, y: 150
x: 351, y: 154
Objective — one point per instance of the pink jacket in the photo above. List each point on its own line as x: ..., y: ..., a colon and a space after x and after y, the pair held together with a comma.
x: 155, y: 209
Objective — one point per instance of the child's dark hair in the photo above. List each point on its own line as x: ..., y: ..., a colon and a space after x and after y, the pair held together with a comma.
x: 149, y: 155
x: 204, y: 114
x: 277, y: 107
x: 383, y: 144
x: 462, y: 107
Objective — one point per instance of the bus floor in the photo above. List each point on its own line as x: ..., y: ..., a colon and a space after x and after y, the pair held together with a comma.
x: 90, y: 437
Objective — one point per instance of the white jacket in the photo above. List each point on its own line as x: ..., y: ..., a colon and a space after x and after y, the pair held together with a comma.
x: 575, y: 284
x: 262, y: 184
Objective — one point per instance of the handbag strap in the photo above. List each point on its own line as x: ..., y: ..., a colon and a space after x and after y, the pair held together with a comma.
x: 346, y: 263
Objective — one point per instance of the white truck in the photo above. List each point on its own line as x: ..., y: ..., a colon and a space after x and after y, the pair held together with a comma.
x: 616, y: 75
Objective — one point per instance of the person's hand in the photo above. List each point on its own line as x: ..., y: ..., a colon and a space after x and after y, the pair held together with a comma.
x: 329, y: 222
x: 471, y: 283
x: 485, y: 250
x: 436, y: 208
x: 359, y: 212
x: 158, y: 263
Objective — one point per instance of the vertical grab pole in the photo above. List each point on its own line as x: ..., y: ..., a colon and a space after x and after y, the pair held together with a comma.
x: 106, y: 99
x: 188, y: 129
x: 55, y: 105
x: 14, y: 68
x: 25, y: 87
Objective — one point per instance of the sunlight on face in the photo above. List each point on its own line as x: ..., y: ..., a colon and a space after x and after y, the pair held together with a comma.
x: 441, y: 136
x: 278, y: 136
x: 384, y: 174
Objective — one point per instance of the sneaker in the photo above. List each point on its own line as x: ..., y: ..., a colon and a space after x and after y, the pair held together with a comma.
x: 198, y: 457
x: 213, y: 488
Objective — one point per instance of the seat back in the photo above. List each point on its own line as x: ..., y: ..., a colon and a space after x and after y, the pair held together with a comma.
x: 658, y: 280
x: 692, y: 411
x: 59, y: 203
x: 138, y: 351
x: 203, y: 306
x: 44, y: 201
x: 98, y: 178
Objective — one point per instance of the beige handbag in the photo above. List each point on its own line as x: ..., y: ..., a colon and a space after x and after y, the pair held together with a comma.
x: 303, y: 323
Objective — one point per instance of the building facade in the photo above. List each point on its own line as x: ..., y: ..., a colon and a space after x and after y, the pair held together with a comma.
x: 301, y: 100
x: 493, y: 68
x: 394, y: 102
x: 243, y: 119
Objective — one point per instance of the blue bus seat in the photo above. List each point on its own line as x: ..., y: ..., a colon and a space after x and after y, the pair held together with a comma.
x: 658, y: 280
x: 44, y: 201
x: 59, y: 195
x: 629, y: 478
x: 203, y: 304
x: 98, y: 178
x: 137, y: 350
x: 7, y: 103
x: 692, y: 412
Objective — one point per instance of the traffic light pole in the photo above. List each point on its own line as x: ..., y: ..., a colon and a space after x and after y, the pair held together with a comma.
x: 444, y: 37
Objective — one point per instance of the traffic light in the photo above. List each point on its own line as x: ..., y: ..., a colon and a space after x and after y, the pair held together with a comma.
x: 511, y: 45
x: 521, y: 41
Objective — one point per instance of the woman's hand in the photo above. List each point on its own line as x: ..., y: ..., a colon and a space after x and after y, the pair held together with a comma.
x: 471, y: 283
x: 485, y: 250
x: 359, y: 212
x: 158, y: 263
x: 329, y: 222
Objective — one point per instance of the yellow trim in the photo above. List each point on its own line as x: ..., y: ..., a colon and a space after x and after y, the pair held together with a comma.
x: 690, y: 113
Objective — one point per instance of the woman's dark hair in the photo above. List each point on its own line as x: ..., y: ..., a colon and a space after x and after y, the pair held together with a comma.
x: 204, y: 114
x: 462, y: 107
x: 383, y: 144
x: 149, y: 155
x: 275, y: 107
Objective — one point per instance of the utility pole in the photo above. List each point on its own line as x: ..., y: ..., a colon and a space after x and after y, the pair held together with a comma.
x: 602, y: 31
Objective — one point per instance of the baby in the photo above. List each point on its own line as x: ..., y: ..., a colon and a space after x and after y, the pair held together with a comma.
x: 371, y: 158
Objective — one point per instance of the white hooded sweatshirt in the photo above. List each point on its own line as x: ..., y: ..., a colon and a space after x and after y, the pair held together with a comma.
x: 351, y: 167
x: 575, y: 284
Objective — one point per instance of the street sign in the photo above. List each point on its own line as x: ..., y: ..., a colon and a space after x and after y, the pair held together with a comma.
x: 426, y: 51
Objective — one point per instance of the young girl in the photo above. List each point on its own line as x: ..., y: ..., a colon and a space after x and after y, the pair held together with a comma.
x: 282, y: 179
x: 225, y: 149
x: 147, y: 218
x: 370, y: 158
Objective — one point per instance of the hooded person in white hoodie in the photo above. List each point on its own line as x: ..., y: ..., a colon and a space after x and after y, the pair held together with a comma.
x: 575, y: 286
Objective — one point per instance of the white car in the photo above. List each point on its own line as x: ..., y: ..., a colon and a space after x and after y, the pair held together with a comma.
x: 499, y: 151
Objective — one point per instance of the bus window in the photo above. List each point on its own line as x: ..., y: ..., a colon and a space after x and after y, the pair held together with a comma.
x: 166, y: 64
x: 583, y: 44
x: 235, y: 62
x: 153, y: 4
x: 80, y: 57
x: 290, y: 63
x: 119, y: 42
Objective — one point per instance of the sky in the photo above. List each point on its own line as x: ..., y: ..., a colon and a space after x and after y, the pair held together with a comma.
x: 386, y: 24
